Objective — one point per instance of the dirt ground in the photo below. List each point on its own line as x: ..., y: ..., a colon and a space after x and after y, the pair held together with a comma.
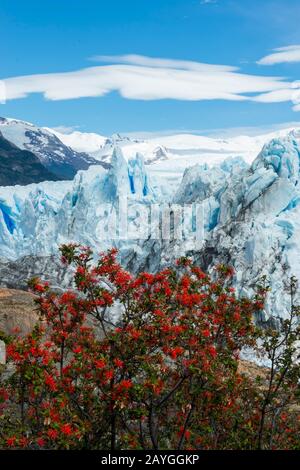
x: 17, y: 310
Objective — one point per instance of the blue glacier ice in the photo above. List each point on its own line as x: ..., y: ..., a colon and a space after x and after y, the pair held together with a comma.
x: 251, y: 214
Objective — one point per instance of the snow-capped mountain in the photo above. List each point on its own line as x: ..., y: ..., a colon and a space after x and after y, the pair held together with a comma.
x: 65, y: 153
x: 97, y: 146
x: 183, y: 150
x: 53, y: 154
x: 87, y: 142
x: 20, y: 166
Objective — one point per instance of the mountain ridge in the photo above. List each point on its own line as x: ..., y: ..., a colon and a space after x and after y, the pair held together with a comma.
x: 53, y: 154
x: 20, y: 166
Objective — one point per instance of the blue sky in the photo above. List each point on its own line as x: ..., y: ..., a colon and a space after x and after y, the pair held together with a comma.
x: 138, y: 94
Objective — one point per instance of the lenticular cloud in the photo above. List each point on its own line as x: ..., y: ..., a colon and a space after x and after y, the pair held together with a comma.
x: 144, y: 78
x: 282, y: 55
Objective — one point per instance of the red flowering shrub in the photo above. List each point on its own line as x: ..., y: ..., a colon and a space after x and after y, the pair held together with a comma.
x: 125, y: 362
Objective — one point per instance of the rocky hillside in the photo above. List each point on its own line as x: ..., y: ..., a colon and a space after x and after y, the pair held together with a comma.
x: 20, y: 166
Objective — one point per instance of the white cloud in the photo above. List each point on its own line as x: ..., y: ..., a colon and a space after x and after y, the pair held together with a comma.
x: 290, y: 93
x: 2, y: 92
x: 277, y: 96
x: 282, y: 55
x: 135, y: 59
x: 143, y: 78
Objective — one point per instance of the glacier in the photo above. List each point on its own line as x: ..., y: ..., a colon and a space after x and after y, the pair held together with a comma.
x: 249, y: 215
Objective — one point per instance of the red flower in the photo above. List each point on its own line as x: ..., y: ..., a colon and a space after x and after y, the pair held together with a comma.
x: 159, y: 313
x: 166, y: 328
x: 67, y: 297
x: 39, y: 288
x: 237, y: 316
x: 178, y: 329
x: 126, y: 384
x: 3, y: 395
x: 109, y: 374
x: 149, y: 278
x: 107, y: 297
x: 23, y: 441
x: 45, y: 360
x: 185, y: 282
x: 118, y: 363
x: 176, y: 352
x: 206, y: 333
x: 11, y: 441
x: 135, y: 334
x: 66, y: 429
x: 40, y: 442
x: 80, y: 270
x: 122, y: 277
x: 52, y: 433
x: 198, y: 272
x: 100, y: 363
x: 212, y: 351
x: 49, y: 380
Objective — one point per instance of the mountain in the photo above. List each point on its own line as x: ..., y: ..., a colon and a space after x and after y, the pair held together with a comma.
x: 20, y: 166
x: 87, y: 142
x: 183, y: 150
x: 53, y: 154
x: 101, y: 148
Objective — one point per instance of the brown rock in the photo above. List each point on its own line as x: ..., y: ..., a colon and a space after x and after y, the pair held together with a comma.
x: 17, y: 310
